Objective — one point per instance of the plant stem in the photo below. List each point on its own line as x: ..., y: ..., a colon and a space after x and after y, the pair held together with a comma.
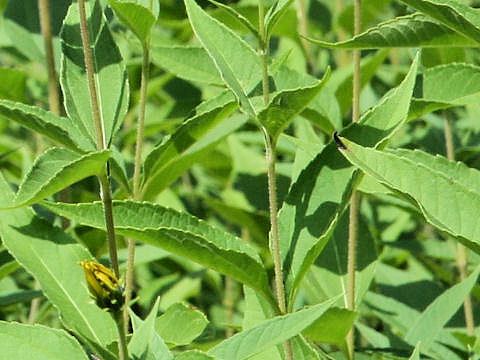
x: 272, y: 181
x: 106, y: 193
x: 355, y: 199
x: 462, y: 253
x: 122, y: 338
x: 137, y: 174
x: 342, y: 54
x: 45, y: 24
x: 302, y: 18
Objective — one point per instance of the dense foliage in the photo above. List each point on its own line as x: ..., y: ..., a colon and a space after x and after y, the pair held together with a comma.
x: 206, y: 152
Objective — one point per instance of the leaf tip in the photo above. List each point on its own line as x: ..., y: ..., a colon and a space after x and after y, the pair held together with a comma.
x: 340, y: 144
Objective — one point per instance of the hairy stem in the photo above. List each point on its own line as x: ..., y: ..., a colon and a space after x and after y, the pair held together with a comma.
x: 122, y: 338
x: 462, y: 252
x: 354, y: 202
x: 137, y: 173
x: 272, y: 182
x: 106, y: 193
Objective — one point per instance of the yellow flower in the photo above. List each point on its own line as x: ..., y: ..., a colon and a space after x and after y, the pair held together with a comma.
x: 103, y: 285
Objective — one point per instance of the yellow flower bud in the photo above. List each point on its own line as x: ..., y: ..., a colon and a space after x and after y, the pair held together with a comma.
x: 103, y: 285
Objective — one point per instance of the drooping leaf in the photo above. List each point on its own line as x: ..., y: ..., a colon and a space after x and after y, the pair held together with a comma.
x: 55, y: 170
x: 180, y: 234
x: 180, y: 325
x: 61, y: 130
x: 268, y: 333
x: 51, y: 257
x: 310, y: 212
x: 145, y: 343
x: 110, y: 74
x: 191, y: 63
x: 138, y: 18
x: 415, y: 30
x: 238, y: 64
x: 457, y: 16
x: 286, y: 104
x: 433, y: 319
x: 21, y: 341
x: 427, y: 185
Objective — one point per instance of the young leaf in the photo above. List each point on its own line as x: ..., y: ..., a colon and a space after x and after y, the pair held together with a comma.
x: 415, y: 30
x: 445, y: 200
x: 180, y: 234
x: 274, y: 15
x: 269, y: 333
x: 180, y: 325
x: 61, y: 130
x: 136, y: 17
x: 51, y: 257
x: 145, y: 343
x: 457, y: 16
x: 286, y: 104
x: 21, y: 342
x: 55, y: 170
x: 239, y: 17
x: 191, y: 63
x: 433, y: 319
x: 110, y: 74
x: 303, y: 232
x: 238, y: 64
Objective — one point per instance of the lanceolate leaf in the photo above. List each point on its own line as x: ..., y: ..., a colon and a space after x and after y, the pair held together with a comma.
x: 178, y: 233
x: 269, y: 333
x: 21, y: 342
x: 414, y: 30
x: 446, y: 201
x: 457, y: 16
x: 239, y: 17
x: 138, y: 18
x: 187, y: 62
x: 238, y: 64
x: 286, y: 105
x: 316, y: 200
x: 436, y: 315
x: 51, y: 257
x: 110, y: 74
x: 61, y: 130
x: 187, y: 136
x: 55, y: 170
x: 274, y: 14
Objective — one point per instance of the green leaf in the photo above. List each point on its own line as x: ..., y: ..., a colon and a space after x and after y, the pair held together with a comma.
x: 286, y: 104
x: 420, y: 107
x: 187, y: 62
x: 137, y: 18
x: 238, y: 64
x: 110, y: 74
x: 436, y: 315
x: 269, y: 333
x: 456, y: 84
x: 303, y: 232
x: 21, y: 341
x: 415, y: 353
x: 332, y: 327
x: 180, y: 325
x: 15, y: 297
x: 145, y: 343
x: 413, y: 30
x: 194, y: 355
x: 61, y: 130
x: 55, y: 170
x: 274, y: 15
x: 51, y: 257
x: 446, y: 200
x: 237, y: 16
x: 457, y: 16
x: 179, y: 233
x: 12, y: 86
x: 193, y: 149
x: 182, y: 140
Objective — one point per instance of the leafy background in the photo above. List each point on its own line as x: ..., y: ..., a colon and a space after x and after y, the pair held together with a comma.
x: 203, y: 268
